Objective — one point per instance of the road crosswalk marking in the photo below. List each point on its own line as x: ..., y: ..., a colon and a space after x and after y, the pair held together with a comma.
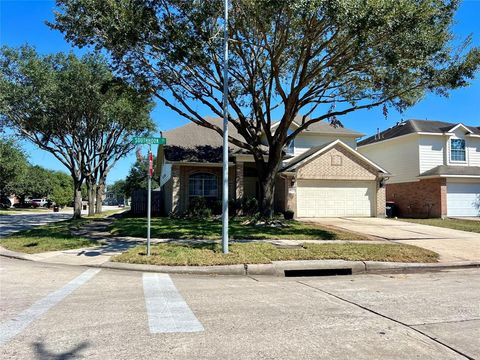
x: 167, y: 310
x: 13, y: 327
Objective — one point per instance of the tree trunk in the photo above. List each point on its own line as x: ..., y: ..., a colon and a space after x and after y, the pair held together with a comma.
x: 267, y: 173
x: 267, y: 194
x: 77, y: 203
x: 91, y: 187
x: 99, y: 195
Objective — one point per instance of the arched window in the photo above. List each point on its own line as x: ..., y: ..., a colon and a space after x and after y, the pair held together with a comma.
x: 203, y: 184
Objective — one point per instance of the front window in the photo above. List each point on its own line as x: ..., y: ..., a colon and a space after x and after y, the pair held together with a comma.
x: 457, y: 150
x: 204, y: 185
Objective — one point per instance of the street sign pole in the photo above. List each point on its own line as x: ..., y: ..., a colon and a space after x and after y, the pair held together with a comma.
x: 225, y: 136
x: 138, y: 140
x: 149, y: 201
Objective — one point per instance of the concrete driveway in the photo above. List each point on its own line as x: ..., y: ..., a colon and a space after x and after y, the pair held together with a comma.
x: 452, y: 245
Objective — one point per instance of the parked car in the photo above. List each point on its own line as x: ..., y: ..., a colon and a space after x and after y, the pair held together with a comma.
x: 39, y: 202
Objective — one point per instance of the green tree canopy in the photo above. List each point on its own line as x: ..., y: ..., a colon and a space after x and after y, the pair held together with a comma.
x: 13, y: 166
x: 62, y: 188
x: 137, y: 177
x: 318, y: 59
x: 74, y: 108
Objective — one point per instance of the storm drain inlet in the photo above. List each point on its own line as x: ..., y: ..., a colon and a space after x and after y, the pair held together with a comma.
x: 317, y: 272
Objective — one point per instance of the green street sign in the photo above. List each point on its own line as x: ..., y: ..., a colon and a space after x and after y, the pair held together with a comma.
x: 149, y: 141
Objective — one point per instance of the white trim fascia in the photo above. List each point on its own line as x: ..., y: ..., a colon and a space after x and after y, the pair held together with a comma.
x: 429, y: 133
x: 275, y: 125
x: 386, y: 140
x: 331, y: 145
x: 473, y: 135
x: 450, y: 176
x: 456, y: 126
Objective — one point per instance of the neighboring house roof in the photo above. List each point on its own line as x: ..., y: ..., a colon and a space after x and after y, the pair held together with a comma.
x: 196, y: 143
x: 299, y: 160
x: 416, y: 126
x: 444, y: 170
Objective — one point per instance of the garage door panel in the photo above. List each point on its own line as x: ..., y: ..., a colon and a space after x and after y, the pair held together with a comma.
x: 320, y: 198
x: 463, y: 199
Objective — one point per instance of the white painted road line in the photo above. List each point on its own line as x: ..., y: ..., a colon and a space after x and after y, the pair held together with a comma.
x: 13, y: 327
x: 167, y: 310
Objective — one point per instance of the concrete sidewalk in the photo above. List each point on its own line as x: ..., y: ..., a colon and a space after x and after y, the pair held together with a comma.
x: 452, y: 245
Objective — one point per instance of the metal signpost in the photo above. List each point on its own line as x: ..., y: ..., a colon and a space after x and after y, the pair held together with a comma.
x: 149, y: 141
x: 225, y: 135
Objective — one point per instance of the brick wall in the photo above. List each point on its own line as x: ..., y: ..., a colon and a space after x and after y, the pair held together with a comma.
x: 381, y: 196
x: 424, y: 198
x: 180, y: 175
x: 337, y: 163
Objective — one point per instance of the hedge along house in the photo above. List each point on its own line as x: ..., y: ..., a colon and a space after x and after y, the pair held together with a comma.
x: 322, y: 173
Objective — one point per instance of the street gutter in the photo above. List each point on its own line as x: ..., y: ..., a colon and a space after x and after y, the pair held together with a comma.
x: 276, y: 268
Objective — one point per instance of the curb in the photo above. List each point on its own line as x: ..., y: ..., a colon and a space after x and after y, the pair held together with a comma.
x: 276, y: 268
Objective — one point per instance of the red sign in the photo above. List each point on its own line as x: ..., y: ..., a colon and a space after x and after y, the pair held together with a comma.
x: 150, y: 164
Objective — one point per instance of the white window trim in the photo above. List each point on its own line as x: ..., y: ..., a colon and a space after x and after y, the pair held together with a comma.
x: 449, y: 148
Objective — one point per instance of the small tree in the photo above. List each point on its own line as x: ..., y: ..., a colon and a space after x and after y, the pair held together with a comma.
x: 36, y: 183
x: 62, y: 192
x: 118, y: 190
x: 137, y: 177
x: 13, y: 166
x: 322, y: 59
x: 74, y: 108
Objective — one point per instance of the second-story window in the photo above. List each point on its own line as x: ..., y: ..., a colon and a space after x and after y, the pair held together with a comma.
x: 457, y: 150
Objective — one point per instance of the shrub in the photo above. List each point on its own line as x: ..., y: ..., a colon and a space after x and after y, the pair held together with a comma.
x: 250, y: 206
x: 198, y: 208
x: 288, y: 215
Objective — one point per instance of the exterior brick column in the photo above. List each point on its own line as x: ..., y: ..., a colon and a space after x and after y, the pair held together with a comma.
x: 381, y: 201
x: 239, y: 180
x: 175, y: 189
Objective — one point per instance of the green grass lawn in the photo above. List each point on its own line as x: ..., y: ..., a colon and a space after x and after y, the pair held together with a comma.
x: 11, y: 211
x: 49, y: 237
x: 264, y: 253
x: 457, y: 224
x: 211, y: 229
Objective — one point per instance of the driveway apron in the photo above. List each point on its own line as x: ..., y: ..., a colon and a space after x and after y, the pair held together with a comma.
x: 450, y: 244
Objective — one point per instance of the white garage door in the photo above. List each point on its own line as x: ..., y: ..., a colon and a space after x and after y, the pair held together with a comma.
x: 463, y: 199
x: 321, y: 198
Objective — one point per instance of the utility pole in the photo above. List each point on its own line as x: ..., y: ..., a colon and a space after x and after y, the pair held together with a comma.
x: 225, y: 134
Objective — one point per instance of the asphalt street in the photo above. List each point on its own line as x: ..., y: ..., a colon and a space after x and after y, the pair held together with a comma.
x: 66, y: 312
x: 12, y: 223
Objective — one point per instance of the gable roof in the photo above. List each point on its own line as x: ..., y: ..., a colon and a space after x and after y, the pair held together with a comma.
x: 192, y: 142
x: 416, y: 126
x: 192, y: 135
x: 299, y: 160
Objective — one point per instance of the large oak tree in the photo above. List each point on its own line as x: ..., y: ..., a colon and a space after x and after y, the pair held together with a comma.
x: 321, y: 59
x: 74, y: 108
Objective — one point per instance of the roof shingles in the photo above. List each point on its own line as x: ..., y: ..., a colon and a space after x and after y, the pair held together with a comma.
x: 414, y: 126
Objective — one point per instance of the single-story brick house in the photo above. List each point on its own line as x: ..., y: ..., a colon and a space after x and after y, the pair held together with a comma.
x: 322, y: 174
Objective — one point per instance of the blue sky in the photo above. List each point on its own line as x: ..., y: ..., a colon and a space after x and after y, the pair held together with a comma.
x: 23, y: 21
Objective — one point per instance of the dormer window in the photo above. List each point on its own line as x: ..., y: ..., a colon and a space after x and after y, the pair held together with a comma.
x: 457, y: 150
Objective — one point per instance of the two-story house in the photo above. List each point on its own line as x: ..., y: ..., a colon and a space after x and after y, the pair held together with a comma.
x: 435, y: 167
x: 322, y: 174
